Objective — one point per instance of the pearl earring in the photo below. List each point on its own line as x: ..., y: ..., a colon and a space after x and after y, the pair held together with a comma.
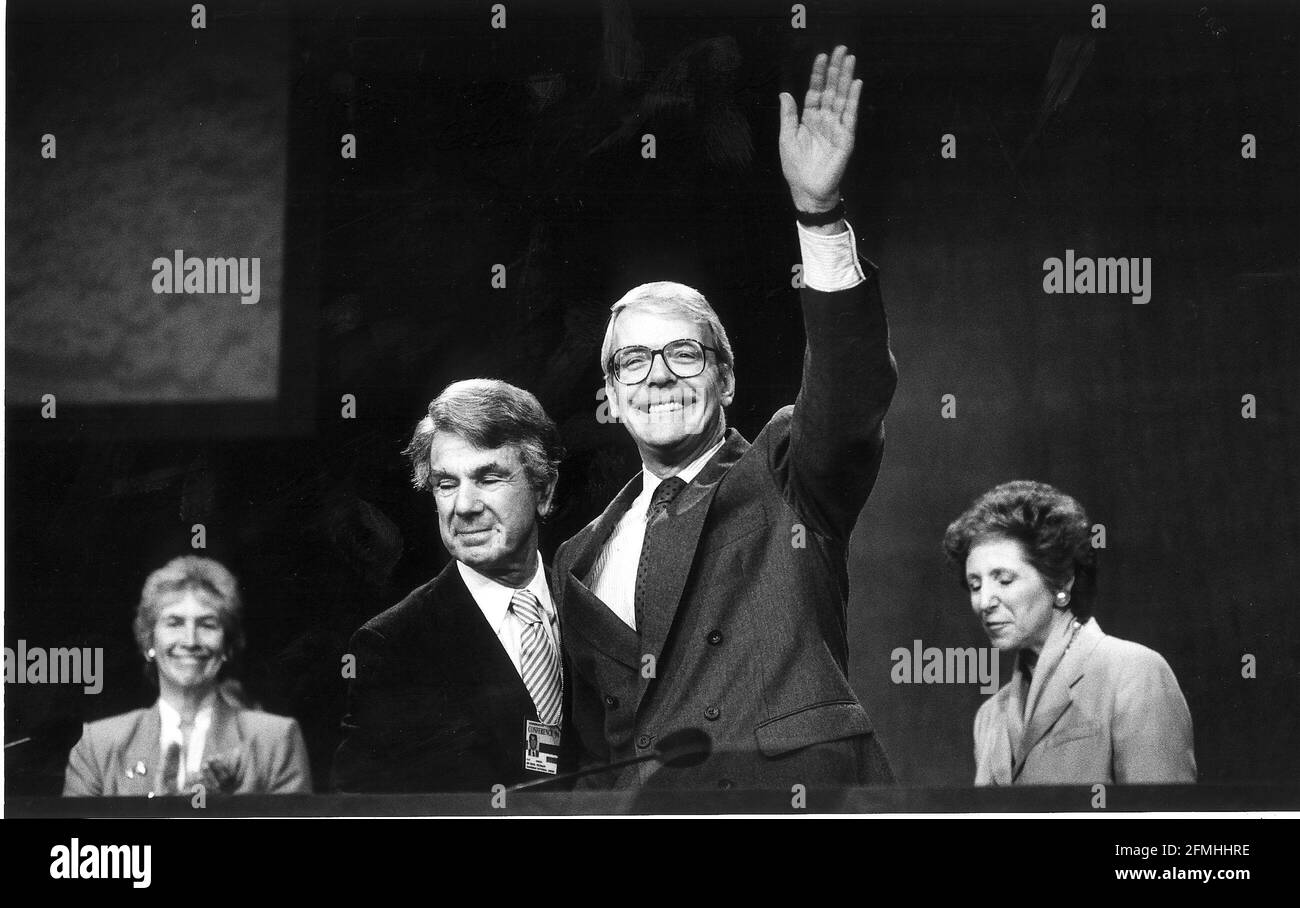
x: 151, y: 654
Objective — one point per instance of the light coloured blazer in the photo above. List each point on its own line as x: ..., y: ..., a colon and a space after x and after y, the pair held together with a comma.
x: 122, y: 755
x: 1112, y: 712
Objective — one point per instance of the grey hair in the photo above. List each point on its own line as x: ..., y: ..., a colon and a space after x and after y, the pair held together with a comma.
x: 668, y: 298
x: 209, y: 581
x: 489, y: 413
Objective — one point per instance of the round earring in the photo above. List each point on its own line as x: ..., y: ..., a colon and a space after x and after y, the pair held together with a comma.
x: 1061, y: 597
x: 151, y: 654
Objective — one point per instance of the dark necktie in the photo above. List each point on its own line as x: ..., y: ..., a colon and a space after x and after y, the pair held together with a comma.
x: 171, y: 766
x: 656, y: 530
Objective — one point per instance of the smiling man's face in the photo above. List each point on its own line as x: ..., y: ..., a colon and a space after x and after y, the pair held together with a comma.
x: 672, y: 420
x: 487, y: 508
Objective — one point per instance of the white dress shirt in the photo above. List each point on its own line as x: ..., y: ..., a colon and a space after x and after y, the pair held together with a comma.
x: 613, y: 576
x: 830, y: 263
x: 494, y: 601
x: 191, y: 759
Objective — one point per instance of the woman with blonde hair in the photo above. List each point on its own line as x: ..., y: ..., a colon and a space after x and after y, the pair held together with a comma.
x: 189, y: 629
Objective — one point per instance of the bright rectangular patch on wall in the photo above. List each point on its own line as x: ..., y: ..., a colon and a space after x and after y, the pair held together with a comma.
x: 145, y: 219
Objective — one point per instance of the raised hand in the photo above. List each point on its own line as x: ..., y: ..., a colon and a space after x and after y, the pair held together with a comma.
x: 815, y: 148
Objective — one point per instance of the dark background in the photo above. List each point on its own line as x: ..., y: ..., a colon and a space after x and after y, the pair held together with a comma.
x: 522, y: 147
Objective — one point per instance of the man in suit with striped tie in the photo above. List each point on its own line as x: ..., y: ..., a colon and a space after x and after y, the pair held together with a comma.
x: 460, y: 686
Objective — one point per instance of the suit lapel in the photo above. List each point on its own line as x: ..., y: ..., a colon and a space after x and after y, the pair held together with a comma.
x: 559, y: 638
x: 588, y: 543
x: 1007, y: 764
x: 675, y: 551
x: 591, y: 619
x: 1057, y: 691
x: 469, y: 649
x: 224, y: 737
x: 1016, y: 693
x: 142, y: 750
x: 1001, y: 736
x: 584, y: 612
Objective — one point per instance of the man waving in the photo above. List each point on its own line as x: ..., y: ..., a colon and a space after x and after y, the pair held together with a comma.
x: 712, y: 592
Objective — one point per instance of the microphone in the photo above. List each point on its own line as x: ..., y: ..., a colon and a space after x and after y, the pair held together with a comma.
x: 680, y: 749
x: 684, y: 748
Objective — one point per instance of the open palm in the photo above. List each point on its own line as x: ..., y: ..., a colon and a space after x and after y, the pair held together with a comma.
x: 815, y: 148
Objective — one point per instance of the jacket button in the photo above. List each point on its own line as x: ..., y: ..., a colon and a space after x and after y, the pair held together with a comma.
x: 611, y: 701
x: 712, y: 713
x: 715, y: 637
x: 726, y: 784
x: 643, y: 741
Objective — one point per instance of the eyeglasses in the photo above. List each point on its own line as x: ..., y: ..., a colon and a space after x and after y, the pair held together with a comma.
x: 684, y: 358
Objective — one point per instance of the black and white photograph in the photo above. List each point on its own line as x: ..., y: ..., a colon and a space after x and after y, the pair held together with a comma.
x: 631, y: 408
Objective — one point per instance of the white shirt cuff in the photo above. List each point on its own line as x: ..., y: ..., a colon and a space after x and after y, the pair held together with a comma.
x: 830, y: 261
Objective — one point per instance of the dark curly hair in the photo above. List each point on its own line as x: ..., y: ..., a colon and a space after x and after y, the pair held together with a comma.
x: 1053, y: 531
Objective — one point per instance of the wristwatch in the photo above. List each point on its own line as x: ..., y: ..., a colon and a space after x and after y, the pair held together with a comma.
x: 820, y: 218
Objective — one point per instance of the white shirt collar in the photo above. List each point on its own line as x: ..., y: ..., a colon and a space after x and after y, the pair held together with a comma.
x: 493, y: 598
x: 171, y: 719
x: 650, y: 482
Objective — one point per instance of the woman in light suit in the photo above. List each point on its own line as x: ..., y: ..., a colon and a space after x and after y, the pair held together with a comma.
x: 1083, y: 706
x: 188, y: 626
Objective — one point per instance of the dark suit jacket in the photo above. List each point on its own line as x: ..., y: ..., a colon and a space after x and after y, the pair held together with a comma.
x: 1111, y: 712
x: 746, y: 620
x: 436, y: 704
x: 267, y: 750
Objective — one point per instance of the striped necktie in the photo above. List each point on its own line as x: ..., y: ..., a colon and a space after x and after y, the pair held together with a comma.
x: 539, y: 662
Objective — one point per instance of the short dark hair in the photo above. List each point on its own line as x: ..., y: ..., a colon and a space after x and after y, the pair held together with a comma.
x: 210, y: 582
x: 1051, y: 527
x: 489, y: 413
